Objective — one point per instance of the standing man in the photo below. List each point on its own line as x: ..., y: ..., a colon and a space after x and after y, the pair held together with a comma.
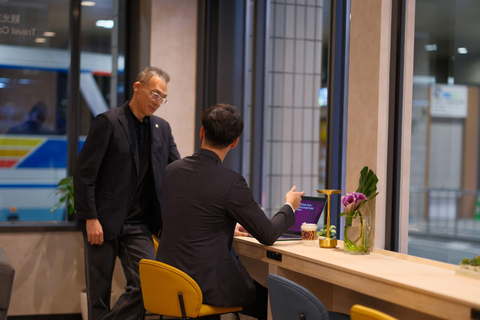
x: 202, y: 203
x: 117, y: 183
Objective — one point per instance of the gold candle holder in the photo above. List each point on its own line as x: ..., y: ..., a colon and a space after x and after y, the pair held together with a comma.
x: 327, y: 242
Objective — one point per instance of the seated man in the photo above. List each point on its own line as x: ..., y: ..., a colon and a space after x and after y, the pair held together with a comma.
x: 202, y: 203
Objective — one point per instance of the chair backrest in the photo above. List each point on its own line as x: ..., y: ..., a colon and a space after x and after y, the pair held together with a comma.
x: 359, y: 312
x: 7, y: 273
x: 155, y: 243
x: 161, y: 285
x: 289, y: 300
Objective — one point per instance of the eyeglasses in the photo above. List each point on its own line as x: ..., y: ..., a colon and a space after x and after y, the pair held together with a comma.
x: 155, y: 96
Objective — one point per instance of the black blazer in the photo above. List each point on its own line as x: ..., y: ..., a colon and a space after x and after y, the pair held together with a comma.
x: 202, y: 201
x: 108, y: 166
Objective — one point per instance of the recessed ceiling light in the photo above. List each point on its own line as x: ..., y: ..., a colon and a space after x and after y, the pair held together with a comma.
x: 462, y: 50
x: 88, y: 3
x: 49, y: 34
x: 107, y: 24
x: 40, y: 40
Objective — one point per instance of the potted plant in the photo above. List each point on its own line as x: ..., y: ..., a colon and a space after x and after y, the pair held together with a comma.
x: 65, y: 190
x: 473, y: 264
x: 357, y: 226
x: 323, y: 231
x: 464, y: 263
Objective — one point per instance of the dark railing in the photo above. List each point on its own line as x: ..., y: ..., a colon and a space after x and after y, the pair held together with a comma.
x: 447, y: 213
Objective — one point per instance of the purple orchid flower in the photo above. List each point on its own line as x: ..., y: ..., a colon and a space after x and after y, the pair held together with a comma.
x: 351, y: 201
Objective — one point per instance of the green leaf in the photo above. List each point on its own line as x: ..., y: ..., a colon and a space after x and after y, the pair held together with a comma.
x: 367, y: 184
x: 65, y: 189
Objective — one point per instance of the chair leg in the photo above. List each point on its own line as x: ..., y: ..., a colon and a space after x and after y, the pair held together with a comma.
x: 237, y: 317
x: 142, y: 316
x: 182, y: 306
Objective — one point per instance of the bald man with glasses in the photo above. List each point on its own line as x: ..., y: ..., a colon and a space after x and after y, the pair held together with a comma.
x: 117, y: 183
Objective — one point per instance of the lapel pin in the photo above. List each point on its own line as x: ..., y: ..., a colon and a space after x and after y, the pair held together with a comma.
x: 156, y: 125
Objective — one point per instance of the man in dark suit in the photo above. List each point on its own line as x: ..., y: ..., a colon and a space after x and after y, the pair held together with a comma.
x: 117, y: 183
x: 202, y: 203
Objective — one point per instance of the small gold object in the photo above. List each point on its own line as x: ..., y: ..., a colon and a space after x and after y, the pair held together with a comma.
x: 327, y: 242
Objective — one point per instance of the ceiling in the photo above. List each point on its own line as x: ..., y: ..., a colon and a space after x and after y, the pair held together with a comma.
x: 452, y: 23
x: 446, y: 26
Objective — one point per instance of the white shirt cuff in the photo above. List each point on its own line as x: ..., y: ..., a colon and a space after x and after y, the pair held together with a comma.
x: 290, y: 206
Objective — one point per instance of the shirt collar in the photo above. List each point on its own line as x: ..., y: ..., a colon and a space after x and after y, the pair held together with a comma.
x: 146, y: 119
x: 208, y: 153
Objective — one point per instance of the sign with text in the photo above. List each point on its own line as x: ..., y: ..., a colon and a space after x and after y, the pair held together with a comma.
x: 22, y: 23
x: 448, y: 101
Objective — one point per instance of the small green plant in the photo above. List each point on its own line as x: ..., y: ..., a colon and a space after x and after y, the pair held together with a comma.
x: 65, y: 189
x: 323, y: 231
x: 474, y: 262
x: 465, y: 262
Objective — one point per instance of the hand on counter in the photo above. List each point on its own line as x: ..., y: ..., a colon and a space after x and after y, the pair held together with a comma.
x: 240, y: 231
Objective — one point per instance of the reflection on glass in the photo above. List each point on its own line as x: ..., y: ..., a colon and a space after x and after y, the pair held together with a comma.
x: 296, y: 114
x: 445, y: 131
x: 34, y: 62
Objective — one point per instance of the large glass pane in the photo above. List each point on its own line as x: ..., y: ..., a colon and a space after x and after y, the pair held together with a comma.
x: 33, y: 68
x: 296, y: 110
x: 34, y: 61
x: 444, y: 221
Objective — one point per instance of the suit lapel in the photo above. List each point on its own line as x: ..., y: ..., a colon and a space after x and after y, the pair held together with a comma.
x: 129, y: 128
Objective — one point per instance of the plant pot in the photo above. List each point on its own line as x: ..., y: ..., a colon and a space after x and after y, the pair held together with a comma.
x: 357, y: 235
x: 473, y: 268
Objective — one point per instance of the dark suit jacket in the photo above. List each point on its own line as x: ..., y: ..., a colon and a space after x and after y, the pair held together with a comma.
x: 202, y: 201
x: 107, y: 169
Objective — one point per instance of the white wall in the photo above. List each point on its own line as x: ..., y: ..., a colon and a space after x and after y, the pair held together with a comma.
x: 173, y: 47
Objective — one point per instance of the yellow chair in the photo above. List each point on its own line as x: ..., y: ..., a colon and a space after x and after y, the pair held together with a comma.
x: 359, y: 312
x: 155, y: 243
x: 168, y: 291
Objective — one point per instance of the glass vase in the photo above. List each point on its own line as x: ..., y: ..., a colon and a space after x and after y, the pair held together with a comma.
x: 357, y: 234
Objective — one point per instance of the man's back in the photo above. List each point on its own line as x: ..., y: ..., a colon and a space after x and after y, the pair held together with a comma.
x: 202, y: 201
x: 198, y: 231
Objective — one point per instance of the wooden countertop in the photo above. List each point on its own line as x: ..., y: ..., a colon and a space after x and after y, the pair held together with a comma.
x: 421, y: 284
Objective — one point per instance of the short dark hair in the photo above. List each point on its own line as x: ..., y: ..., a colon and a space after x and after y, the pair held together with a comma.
x: 223, y: 124
x: 149, y: 72
x: 39, y: 111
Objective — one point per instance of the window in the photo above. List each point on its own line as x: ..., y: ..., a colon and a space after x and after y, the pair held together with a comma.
x: 34, y: 63
x: 279, y: 80
x: 444, y: 180
x: 296, y: 111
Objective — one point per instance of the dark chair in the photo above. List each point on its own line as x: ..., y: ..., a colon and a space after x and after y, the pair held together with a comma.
x: 7, y: 273
x: 289, y: 301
